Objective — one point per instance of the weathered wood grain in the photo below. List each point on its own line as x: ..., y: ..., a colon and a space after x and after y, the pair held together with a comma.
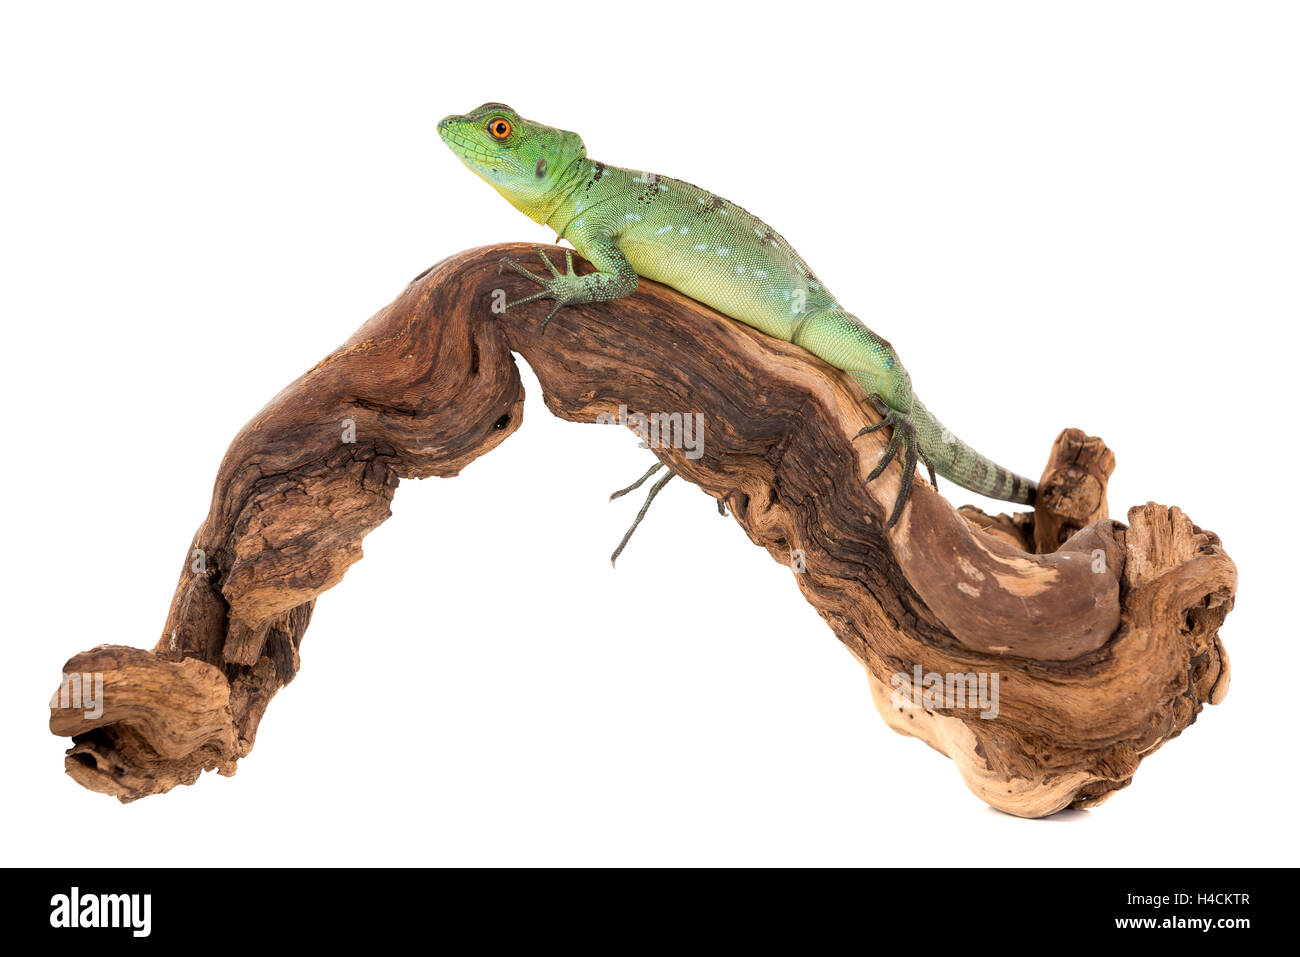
x: 1104, y: 638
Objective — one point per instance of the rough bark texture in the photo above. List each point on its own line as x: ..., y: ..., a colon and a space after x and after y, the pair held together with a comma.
x: 1104, y: 637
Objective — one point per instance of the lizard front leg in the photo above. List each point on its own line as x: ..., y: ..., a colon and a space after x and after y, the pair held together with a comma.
x: 613, y: 279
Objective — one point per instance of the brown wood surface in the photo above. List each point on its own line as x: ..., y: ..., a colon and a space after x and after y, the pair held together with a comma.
x: 1104, y: 636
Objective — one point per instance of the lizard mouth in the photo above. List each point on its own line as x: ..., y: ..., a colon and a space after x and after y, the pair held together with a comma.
x: 463, y: 146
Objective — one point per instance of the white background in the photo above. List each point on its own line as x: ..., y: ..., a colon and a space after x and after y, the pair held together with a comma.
x: 1060, y: 214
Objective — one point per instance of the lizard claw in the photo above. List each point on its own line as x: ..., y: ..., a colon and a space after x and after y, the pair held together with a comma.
x: 512, y: 264
x: 549, y: 316
x: 902, y: 436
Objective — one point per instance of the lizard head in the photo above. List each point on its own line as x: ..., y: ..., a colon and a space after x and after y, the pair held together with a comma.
x: 525, y: 162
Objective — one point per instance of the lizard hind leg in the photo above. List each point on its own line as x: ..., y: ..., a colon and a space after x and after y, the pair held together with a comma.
x: 627, y: 537
x: 654, y: 490
x: 841, y: 339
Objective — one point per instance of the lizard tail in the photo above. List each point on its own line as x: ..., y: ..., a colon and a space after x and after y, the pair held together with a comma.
x: 958, y: 462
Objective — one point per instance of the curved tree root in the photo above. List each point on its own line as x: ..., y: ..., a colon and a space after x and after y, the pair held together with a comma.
x: 1102, y: 638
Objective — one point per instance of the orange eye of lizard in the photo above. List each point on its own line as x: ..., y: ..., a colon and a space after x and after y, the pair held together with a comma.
x: 499, y: 128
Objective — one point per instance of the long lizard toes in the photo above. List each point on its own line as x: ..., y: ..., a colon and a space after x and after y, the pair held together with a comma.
x: 524, y: 301
x: 905, y: 489
x: 541, y: 254
x: 549, y: 316
x: 904, y: 485
x: 522, y: 271
x: 902, y: 437
x: 895, y: 439
x: 654, y: 490
x: 638, y: 483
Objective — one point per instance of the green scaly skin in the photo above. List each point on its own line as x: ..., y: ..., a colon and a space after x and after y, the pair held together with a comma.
x: 629, y: 224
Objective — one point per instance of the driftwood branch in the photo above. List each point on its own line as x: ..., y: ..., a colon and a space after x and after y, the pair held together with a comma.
x: 1103, y: 638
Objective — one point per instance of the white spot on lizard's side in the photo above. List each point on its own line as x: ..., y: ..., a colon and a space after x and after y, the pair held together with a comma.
x: 760, y: 273
x: 632, y: 217
x: 723, y: 250
x: 699, y: 247
x: 740, y: 270
x: 581, y: 222
x: 684, y: 230
x: 664, y: 229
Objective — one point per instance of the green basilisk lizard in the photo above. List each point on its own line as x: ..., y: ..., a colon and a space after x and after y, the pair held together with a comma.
x: 630, y: 224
